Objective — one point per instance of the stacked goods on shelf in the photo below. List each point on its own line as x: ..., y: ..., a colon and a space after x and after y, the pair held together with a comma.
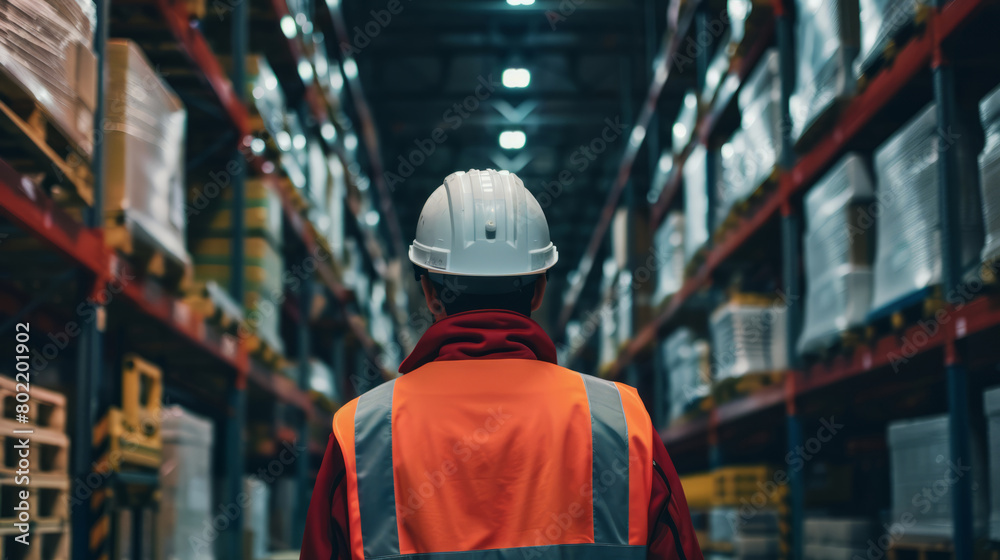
x: 826, y: 46
x: 760, y: 109
x: 735, y: 165
x: 837, y: 251
x: 185, y: 483
x: 329, y: 220
x: 882, y: 22
x: 908, y: 241
x: 991, y: 402
x: 608, y: 332
x: 749, y: 535
x: 144, y: 191
x: 919, y: 451
x: 48, y: 499
x: 45, y: 52
x: 294, y: 150
x: 695, y: 202
x: 746, y: 507
x: 318, y: 187
x: 257, y: 520
x: 687, y: 120
x: 717, y: 71
x: 748, y: 337
x: 686, y: 361
x: 263, y: 265
x: 837, y: 538
x: 989, y: 174
x: 262, y: 214
x: 669, y: 247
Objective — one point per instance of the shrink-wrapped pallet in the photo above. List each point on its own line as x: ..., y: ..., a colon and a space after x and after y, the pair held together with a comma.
x: 882, y: 21
x: 669, y: 246
x: 991, y: 401
x: 837, y: 538
x: 45, y: 52
x: 760, y: 109
x: 989, y: 174
x: 144, y: 134
x: 695, y: 201
x: 687, y: 119
x: 748, y: 338
x: 839, y: 231
x: 826, y: 46
x: 686, y: 361
x: 738, y: 168
x: 920, y: 462
x: 908, y: 240
x: 256, y: 517
x: 185, y: 484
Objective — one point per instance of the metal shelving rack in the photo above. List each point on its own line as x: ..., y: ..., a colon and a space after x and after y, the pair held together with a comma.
x: 980, y: 317
x: 35, y: 213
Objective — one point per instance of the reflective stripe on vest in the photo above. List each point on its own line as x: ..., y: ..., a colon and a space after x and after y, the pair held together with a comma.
x: 606, y: 495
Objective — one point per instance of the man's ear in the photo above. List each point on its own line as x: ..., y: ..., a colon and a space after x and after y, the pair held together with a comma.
x: 536, y: 300
x: 434, y: 304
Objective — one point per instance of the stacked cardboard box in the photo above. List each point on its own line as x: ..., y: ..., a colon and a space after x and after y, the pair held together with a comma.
x: 45, y: 51
x: 144, y: 153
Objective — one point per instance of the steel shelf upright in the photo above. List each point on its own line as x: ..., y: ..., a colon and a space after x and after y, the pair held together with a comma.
x: 89, y: 351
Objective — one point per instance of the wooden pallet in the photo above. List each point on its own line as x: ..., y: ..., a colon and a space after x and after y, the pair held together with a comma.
x: 901, y: 314
x: 735, y: 387
x: 149, y: 258
x: 47, y: 408
x: 48, y: 500
x: 44, y: 544
x: 37, y: 147
x: 48, y: 450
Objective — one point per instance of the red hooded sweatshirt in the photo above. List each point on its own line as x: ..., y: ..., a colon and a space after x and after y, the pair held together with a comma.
x: 484, y: 335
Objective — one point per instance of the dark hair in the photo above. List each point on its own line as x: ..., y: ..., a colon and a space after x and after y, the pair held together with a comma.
x: 464, y: 293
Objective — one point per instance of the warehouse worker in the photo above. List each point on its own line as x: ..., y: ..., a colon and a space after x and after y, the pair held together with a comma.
x: 485, y: 448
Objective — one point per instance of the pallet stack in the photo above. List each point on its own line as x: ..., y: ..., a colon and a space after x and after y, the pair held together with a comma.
x: 185, y: 483
x: 49, y: 486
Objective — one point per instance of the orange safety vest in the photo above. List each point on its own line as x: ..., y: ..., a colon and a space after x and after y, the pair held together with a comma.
x: 497, y: 459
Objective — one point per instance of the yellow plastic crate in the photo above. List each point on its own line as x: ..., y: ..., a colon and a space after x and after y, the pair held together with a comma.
x: 731, y: 485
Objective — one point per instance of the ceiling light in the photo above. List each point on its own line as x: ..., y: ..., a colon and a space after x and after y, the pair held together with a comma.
x: 284, y: 140
x: 520, y: 2
x: 257, y: 145
x: 666, y: 163
x: 299, y: 142
x: 680, y: 131
x: 288, y: 26
x: 351, y: 141
x: 371, y: 218
x: 516, y: 78
x: 512, y: 139
x: 638, y: 135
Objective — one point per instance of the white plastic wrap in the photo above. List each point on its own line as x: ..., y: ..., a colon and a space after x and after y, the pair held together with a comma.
x: 738, y: 168
x: 695, y: 201
x: 991, y: 404
x: 908, y: 241
x: 687, y: 120
x: 45, y: 48
x: 989, y: 174
x: 144, y: 134
x: 881, y: 20
x: 748, y: 338
x: 669, y: 246
x: 717, y: 70
x: 257, y: 518
x: 686, y: 361
x: 826, y: 46
x: 838, y: 267
x: 185, y: 483
x: 760, y: 107
x: 918, y: 457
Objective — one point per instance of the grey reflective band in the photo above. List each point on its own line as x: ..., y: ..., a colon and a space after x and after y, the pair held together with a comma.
x: 610, y: 434
x: 376, y: 486
x: 554, y: 552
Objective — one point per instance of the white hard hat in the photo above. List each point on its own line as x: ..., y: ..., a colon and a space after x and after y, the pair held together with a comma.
x: 483, y: 223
